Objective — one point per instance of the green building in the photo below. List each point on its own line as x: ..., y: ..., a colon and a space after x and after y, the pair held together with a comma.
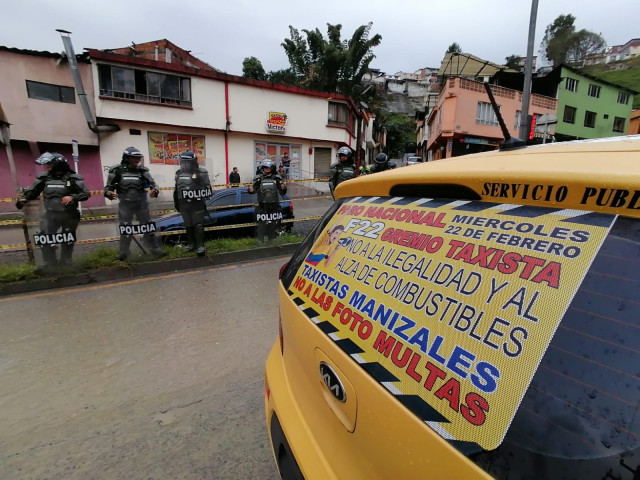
x: 589, y: 107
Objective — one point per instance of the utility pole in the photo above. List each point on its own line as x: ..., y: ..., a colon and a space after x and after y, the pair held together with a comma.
x: 528, y: 68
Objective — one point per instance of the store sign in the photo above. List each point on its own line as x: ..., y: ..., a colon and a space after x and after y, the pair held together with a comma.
x: 277, y: 122
x: 477, y: 141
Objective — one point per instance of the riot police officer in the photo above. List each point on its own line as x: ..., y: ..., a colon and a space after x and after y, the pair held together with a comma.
x: 127, y: 182
x: 268, y: 212
x: 192, y: 189
x: 382, y: 163
x: 343, y: 169
x: 62, y: 190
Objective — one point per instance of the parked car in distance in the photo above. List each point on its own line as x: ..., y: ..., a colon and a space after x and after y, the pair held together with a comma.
x: 231, y: 206
x: 476, y: 317
x: 414, y: 160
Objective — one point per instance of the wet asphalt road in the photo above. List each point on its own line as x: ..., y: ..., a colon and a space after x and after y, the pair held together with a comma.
x: 153, y: 378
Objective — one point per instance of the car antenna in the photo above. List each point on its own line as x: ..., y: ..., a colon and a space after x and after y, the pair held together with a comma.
x: 509, y: 143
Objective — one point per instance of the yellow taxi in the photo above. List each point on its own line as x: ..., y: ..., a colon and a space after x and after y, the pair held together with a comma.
x: 476, y: 317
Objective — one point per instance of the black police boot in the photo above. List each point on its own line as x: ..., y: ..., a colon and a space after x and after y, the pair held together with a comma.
x: 152, y: 244
x: 66, y: 252
x: 125, y: 242
x: 191, y: 239
x: 199, y: 235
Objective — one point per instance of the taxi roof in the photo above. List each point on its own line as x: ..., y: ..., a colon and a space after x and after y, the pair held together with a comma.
x: 598, y: 175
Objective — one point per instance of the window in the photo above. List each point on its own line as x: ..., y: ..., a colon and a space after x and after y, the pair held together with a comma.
x: 517, y: 124
x: 485, y: 115
x: 223, y: 200
x: 569, y: 114
x: 338, y: 114
x: 589, y: 119
x: 594, y: 91
x: 571, y: 84
x: 144, y: 86
x: 618, y: 124
x: 623, y: 98
x: 53, y: 93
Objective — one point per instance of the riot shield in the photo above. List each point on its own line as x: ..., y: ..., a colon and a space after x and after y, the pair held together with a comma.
x: 268, y: 217
x: 52, y: 237
x: 136, y: 229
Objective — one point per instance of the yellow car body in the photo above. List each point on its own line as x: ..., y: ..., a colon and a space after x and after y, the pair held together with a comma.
x: 369, y: 380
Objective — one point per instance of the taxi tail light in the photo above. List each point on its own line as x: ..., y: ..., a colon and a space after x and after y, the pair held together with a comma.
x: 291, y: 208
x: 282, y: 269
x: 267, y: 390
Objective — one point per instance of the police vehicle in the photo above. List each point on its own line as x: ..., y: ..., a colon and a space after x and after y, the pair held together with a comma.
x: 231, y: 206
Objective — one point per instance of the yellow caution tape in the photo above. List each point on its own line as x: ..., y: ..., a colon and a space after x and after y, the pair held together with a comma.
x: 221, y: 185
x: 16, y: 246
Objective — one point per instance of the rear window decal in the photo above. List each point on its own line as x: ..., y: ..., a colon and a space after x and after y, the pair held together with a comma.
x: 450, y: 309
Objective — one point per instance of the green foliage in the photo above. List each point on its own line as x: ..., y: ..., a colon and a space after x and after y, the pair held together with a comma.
x: 513, y: 61
x: 561, y: 43
x: 16, y: 273
x: 400, y: 132
x: 454, y: 48
x: 252, y: 68
x: 105, y: 257
x: 283, y: 77
x: 331, y: 64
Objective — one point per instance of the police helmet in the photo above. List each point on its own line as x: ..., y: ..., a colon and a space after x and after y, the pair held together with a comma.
x: 131, y: 152
x: 56, y: 161
x: 381, y: 159
x: 344, y: 151
x: 188, y: 160
x: 52, y: 159
x: 268, y: 164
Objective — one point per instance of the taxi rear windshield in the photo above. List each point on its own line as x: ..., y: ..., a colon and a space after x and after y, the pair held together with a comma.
x: 579, y: 415
x: 583, y: 402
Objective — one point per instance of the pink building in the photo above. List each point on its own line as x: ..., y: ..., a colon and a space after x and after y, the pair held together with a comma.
x: 39, y: 104
x: 463, y: 120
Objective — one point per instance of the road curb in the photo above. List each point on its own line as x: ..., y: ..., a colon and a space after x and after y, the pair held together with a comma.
x: 151, y: 268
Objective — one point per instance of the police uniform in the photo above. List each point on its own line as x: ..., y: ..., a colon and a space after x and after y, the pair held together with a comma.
x: 268, y: 211
x: 340, y: 172
x: 130, y: 184
x: 54, y: 186
x: 189, y: 197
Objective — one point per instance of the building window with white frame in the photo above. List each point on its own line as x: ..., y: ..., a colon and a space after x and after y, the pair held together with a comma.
x: 593, y: 91
x: 338, y: 115
x: 571, y: 84
x: 485, y: 115
x: 623, y: 98
x: 517, y: 124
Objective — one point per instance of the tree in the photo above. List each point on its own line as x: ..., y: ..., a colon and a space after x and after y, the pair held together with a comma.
x: 555, y: 43
x: 454, y: 48
x: 400, y: 132
x: 331, y: 64
x: 585, y: 43
x: 283, y: 77
x: 252, y: 68
x: 561, y: 43
x: 513, y: 61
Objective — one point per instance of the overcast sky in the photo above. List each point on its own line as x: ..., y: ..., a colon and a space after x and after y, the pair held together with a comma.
x: 415, y: 33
